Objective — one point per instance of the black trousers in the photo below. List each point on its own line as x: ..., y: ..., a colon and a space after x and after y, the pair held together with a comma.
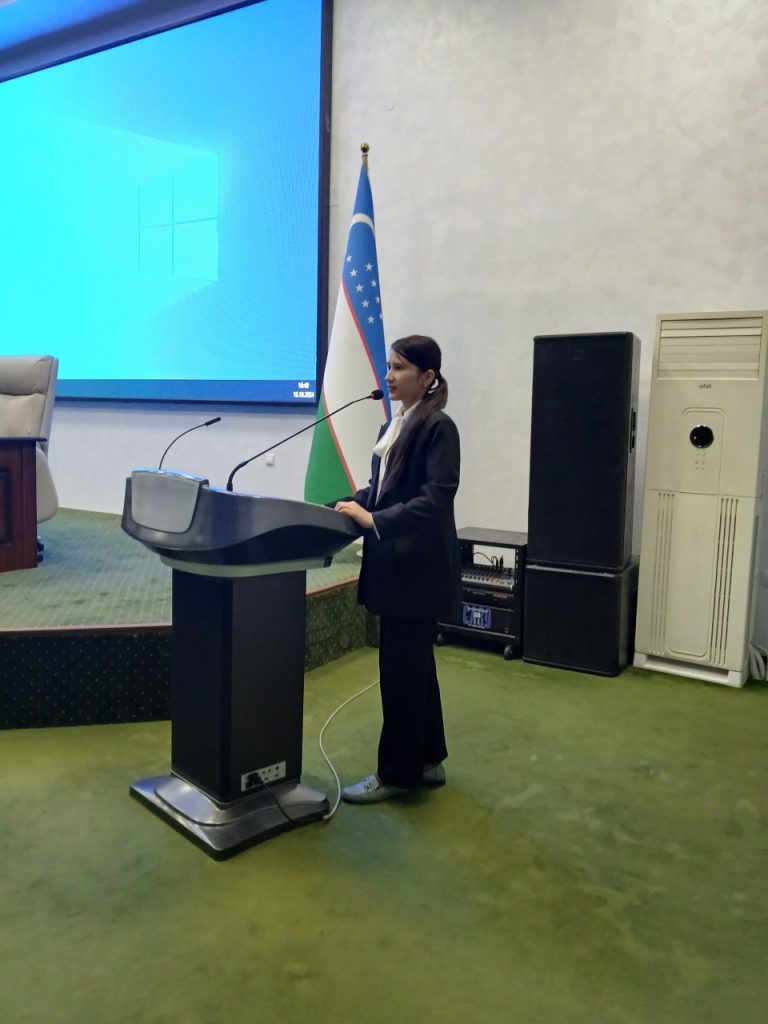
x: 412, y: 734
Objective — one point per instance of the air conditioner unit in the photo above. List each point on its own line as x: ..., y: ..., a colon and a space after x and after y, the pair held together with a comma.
x: 705, y: 478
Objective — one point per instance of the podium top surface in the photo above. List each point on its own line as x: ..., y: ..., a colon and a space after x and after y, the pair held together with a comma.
x: 15, y: 438
x: 184, y: 519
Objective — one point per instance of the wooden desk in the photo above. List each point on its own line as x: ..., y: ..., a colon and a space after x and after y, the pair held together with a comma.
x: 18, y: 503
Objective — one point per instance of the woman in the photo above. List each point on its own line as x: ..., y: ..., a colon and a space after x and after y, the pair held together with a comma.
x: 410, y: 574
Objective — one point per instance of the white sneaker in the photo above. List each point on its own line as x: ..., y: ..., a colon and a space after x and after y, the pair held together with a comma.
x: 434, y: 775
x: 370, y: 790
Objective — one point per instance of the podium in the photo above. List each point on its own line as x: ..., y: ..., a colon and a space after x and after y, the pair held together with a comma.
x: 237, y: 654
x: 18, y: 503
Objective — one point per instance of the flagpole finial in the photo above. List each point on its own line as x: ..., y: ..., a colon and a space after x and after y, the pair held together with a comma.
x: 364, y: 149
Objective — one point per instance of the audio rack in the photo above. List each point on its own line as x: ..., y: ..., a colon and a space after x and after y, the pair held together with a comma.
x: 491, y: 591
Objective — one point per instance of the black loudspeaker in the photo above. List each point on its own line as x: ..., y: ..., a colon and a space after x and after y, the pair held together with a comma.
x: 583, y: 426
x: 580, y: 620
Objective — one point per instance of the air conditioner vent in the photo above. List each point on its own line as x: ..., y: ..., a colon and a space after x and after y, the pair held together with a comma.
x: 664, y: 528
x: 721, y: 595
x: 719, y: 349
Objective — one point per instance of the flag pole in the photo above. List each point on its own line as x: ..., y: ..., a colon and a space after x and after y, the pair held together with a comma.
x: 357, y: 362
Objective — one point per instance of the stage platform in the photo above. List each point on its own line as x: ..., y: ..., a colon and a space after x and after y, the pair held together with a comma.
x: 85, y: 637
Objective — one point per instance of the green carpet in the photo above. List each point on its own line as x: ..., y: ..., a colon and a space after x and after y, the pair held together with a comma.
x: 598, y: 857
x: 94, y: 574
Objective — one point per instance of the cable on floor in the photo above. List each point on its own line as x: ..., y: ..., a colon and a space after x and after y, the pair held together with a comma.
x: 264, y: 788
x: 330, y: 814
x: 758, y: 661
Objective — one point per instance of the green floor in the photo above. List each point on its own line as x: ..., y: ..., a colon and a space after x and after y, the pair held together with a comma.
x: 598, y: 857
x: 94, y: 574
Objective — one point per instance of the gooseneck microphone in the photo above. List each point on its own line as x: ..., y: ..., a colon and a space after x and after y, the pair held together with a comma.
x: 376, y: 395
x: 208, y: 423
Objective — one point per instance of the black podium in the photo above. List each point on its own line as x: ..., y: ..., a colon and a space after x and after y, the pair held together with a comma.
x: 237, y: 654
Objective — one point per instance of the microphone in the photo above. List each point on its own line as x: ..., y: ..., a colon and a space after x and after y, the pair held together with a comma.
x: 208, y: 423
x: 376, y: 395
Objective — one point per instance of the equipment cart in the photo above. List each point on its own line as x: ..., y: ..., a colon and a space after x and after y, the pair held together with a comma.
x: 492, y: 589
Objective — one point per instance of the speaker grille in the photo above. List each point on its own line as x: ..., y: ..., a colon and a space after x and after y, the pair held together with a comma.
x: 720, y: 349
x: 582, y: 450
x: 721, y: 595
x: 664, y: 519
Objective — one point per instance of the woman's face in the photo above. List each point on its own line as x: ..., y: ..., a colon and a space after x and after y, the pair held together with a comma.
x: 406, y: 382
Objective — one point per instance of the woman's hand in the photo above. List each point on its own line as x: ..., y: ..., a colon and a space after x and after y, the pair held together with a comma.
x: 360, y: 515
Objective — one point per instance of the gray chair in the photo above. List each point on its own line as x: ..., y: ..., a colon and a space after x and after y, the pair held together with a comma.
x: 27, y: 392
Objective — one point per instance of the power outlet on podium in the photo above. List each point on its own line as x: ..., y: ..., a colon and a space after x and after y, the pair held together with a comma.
x: 262, y: 776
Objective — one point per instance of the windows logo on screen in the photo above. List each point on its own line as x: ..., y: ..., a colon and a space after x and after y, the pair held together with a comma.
x: 179, y: 221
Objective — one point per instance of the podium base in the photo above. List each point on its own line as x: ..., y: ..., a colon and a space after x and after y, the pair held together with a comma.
x: 222, y: 830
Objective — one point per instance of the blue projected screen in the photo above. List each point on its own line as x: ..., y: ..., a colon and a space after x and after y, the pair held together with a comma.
x: 159, y: 204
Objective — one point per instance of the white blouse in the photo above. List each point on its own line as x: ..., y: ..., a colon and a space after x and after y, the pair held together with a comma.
x: 387, y: 439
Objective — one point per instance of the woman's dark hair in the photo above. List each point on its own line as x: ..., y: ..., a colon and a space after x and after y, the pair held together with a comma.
x: 424, y: 353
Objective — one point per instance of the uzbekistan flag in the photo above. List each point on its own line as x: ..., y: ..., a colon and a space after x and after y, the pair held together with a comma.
x: 340, y: 457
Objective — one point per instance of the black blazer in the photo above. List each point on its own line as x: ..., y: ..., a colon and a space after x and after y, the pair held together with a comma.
x: 411, y: 569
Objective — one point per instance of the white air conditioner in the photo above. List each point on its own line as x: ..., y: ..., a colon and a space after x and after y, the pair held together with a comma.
x: 705, y: 477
